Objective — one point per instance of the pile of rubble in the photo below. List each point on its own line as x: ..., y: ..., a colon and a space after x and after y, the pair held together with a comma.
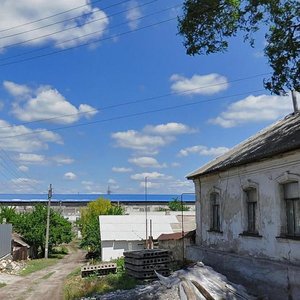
x: 11, y: 267
x: 197, y: 282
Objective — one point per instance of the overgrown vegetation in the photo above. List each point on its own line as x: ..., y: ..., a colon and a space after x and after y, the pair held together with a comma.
x: 2, y: 284
x: 32, y: 226
x: 76, y: 287
x: 208, y: 25
x: 89, y: 222
x: 38, y: 264
x: 176, y: 205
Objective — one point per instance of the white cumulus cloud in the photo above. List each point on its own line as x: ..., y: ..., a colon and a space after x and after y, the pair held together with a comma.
x: 171, y: 128
x: 63, y: 160
x: 150, y: 176
x: 20, y: 137
x: 23, y: 168
x: 133, y: 14
x: 199, y: 84
x: 254, y: 109
x: 121, y: 170
x: 203, y: 150
x: 151, y: 138
x: 146, y: 162
x: 45, y: 102
x: 31, y: 158
x: 71, y: 28
x: 70, y: 176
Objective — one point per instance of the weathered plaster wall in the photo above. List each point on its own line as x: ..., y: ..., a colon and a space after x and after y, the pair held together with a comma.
x: 260, y: 276
x: 267, y: 176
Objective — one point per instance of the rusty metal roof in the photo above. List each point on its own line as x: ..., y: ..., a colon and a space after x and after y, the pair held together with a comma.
x: 280, y: 137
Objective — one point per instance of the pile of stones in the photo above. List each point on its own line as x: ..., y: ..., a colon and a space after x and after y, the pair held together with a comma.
x: 11, y: 267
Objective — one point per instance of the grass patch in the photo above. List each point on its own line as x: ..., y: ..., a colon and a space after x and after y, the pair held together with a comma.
x: 38, y: 264
x: 48, y: 275
x: 76, y: 287
x: 2, y: 284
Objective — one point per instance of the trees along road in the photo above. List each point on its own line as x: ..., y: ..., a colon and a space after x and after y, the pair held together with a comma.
x: 35, y: 287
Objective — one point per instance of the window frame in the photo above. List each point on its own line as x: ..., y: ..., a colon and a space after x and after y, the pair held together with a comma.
x: 291, y: 233
x: 215, y: 212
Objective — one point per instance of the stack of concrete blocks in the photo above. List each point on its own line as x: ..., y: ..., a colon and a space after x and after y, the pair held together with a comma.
x: 141, y: 264
x: 98, y: 270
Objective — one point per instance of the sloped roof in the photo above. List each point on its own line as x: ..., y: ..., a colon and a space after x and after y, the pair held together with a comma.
x: 175, y: 235
x: 280, y: 137
x: 133, y: 227
x: 19, y: 240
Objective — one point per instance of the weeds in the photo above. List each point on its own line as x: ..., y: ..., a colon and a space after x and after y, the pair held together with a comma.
x: 76, y: 287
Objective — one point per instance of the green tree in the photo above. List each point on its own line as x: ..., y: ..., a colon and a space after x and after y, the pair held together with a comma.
x: 176, y: 205
x: 89, y: 222
x: 8, y: 214
x: 32, y: 226
x: 207, y: 25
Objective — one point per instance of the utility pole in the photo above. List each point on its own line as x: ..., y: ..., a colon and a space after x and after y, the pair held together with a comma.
x: 146, y: 210
x: 48, y: 221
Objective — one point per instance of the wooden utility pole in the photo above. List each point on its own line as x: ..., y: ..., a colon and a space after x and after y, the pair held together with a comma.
x: 48, y: 221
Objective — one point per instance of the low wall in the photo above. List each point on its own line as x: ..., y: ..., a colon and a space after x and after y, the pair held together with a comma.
x: 262, y: 277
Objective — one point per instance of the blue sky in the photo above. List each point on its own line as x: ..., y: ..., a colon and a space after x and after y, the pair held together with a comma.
x: 124, y: 106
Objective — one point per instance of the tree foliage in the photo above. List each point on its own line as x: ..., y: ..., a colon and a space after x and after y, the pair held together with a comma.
x: 89, y: 222
x: 32, y: 226
x: 176, y: 205
x: 207, y: 26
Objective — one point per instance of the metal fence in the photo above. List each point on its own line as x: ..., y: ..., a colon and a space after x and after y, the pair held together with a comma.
x: 5, y: 239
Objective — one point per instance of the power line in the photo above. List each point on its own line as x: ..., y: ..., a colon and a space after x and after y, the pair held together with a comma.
x: 69, y: 28
x: 51, y: 16
x: 82, y: 36
x: 138, y: 101
x: 87, y: 43
x: 131, y: 115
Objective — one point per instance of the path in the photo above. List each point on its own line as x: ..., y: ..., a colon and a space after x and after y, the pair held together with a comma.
x: 35, y: 286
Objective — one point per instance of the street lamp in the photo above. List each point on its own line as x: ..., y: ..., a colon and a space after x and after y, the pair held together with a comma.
x: 182, y: 230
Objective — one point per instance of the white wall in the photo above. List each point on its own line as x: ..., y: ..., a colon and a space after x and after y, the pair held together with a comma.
x: 115, y: 249
x: 267, y: 176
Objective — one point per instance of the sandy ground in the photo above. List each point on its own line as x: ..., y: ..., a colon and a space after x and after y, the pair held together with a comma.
x: 35, y: 286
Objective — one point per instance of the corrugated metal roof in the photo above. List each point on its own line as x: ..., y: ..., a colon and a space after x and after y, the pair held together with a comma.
x: 132, y: 228
x: 280, y: 137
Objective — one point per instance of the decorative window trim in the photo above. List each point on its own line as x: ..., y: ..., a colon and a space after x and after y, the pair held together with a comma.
x: 287, y: 177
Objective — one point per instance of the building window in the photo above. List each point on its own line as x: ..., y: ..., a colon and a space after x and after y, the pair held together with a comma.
x: 251, y: 206
x: 215, y: 212
x: 292, y: 207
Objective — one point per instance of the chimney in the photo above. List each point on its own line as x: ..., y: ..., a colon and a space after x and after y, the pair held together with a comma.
x: 295, y: 104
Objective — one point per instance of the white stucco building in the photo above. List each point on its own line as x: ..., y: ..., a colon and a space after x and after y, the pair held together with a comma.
x: 128, y: 232
x: 248, y: 211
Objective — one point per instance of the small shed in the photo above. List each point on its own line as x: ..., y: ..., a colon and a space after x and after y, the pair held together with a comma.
x: 176, y: 242
x: 20, y: 247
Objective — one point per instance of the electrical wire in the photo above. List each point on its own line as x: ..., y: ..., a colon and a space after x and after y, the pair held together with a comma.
x: 87, y: 43
x: 131, y: 115
x: 153, y: 98
x: 51, y: 16
x: 80, y: 37
x: 72, y: 27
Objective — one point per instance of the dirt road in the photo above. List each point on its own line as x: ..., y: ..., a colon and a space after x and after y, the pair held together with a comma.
x: 46, y: 284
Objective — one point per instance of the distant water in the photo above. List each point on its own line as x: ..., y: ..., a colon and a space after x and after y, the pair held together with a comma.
x: 91, y: 197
